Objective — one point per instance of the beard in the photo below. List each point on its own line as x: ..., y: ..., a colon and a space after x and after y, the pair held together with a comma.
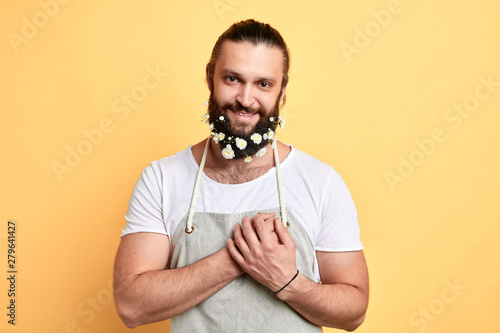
x: 245, y: 132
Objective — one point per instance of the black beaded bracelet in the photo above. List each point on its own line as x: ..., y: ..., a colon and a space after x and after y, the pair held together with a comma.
x: 286, y: 285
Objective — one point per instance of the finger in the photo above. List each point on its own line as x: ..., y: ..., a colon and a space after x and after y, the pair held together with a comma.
x: 270, y: 222
x: 274, y: 236
x: 283, y: 234
x: 247, y: 228
x: 234, y: 252
x: 239, y: 240
x: 266, y: 216
x: 265, y: 231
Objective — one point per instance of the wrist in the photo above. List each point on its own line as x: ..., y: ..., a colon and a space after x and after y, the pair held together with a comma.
x: 233, y: 269
x: 284, y: 286
x: 294, y: 289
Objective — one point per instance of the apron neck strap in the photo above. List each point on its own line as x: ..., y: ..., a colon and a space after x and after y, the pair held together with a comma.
x: 189, y: 223
x: 280, y: 187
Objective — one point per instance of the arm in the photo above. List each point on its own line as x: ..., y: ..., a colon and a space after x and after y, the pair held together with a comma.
x: 340, y: 301
x: 342, y: 298
x: 146, y: 292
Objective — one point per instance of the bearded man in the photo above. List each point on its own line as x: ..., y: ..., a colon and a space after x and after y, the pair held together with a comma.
x: 241, y: 232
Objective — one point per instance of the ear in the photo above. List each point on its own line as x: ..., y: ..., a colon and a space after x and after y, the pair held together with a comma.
x: 208, y: 78
x: 283, y: 93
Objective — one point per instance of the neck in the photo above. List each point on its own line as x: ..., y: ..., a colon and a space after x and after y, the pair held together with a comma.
x: 236, y: 171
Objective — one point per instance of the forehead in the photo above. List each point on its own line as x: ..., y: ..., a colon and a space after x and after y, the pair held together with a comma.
x: 250, y: 59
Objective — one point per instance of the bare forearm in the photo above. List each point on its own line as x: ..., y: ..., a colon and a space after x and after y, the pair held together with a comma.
x: 158, y: 295
x: 331, y: 305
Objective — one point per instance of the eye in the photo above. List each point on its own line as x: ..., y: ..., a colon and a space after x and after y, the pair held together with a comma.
x: 231, y: 79
x: 265, y: 85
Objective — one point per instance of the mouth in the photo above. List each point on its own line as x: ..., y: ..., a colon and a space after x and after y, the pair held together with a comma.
x: 243, y: 114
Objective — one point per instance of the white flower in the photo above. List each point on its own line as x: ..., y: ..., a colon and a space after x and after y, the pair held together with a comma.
x: 241, y: 143
x: 211, y: 126
x: 282, y: 123
x: 279, y: 118
x: 271, y: 119
x: 261, y: 152
x: 248, y: 159
x: 216, y: 139
x: 270, y: 134
x: 221, y: 118
x: 206, y: 103
x: 205, y: 117
x: 256, y: 138
x: 265, y: 136
x: 228, y: 152
x: 222, y: 136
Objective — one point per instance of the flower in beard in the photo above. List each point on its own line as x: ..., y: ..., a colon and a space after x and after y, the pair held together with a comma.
x: 270, y: 134
x: 205, y: 117
x: 241, y: 143
x: 278, y: 121
x: 215, y: 137
x: 256, y: 138
x: 252, y: 135
x: 261, y: 152
x: 228, y: 152
x: 282, y: 123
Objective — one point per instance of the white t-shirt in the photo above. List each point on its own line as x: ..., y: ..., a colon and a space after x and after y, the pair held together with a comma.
x: 314, y: 193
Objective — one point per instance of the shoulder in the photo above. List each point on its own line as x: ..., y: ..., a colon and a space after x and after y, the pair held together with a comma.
x: 303, y: 167
x: 174, y: 165
x: 181, y: 158
x: 303, y: 162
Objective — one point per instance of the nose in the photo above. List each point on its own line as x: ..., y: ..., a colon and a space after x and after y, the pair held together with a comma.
x: 245, y: 95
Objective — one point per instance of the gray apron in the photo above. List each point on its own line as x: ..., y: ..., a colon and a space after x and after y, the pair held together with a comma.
x: 244, y: 305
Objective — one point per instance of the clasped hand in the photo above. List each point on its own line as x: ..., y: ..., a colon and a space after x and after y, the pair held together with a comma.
x: 264, y: 249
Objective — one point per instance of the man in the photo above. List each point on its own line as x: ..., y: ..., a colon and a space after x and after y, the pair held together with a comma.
x: 236, y: 232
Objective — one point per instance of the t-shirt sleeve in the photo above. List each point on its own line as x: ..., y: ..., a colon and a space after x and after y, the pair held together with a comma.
x: 339, y: 219
x: 145, y: 212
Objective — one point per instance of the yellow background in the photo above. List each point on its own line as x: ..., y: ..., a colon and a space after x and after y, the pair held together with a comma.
x: 360, y: 112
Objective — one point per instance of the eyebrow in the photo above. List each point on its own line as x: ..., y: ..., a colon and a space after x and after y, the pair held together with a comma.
x: 226, y: 71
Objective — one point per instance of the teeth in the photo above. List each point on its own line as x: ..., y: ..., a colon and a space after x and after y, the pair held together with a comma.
x: 245, y: 114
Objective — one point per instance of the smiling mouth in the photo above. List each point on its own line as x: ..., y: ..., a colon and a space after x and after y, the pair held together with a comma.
x: 243, y: 113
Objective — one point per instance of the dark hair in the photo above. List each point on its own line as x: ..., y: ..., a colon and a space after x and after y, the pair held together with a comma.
x: 256, y: 33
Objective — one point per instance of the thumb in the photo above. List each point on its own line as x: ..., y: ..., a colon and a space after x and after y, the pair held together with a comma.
x: 283, y: 234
